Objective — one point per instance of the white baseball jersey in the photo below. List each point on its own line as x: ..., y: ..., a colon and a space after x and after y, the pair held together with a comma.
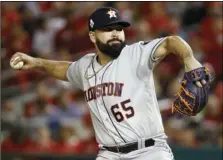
x: 121, y: 94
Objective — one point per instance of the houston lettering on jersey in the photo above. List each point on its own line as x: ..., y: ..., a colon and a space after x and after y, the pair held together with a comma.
x: 104, y: 89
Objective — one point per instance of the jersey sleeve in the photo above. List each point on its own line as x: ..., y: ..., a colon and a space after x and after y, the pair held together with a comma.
x: 74, y: 75
x: 141, y: 55
x: 147, y: 59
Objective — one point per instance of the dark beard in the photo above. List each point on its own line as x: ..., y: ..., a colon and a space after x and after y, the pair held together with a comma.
x: 112, y: 50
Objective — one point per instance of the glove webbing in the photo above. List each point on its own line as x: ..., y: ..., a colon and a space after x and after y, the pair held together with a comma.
x: 183, y: 100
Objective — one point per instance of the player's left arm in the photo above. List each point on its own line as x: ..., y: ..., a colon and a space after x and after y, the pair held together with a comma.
x: 179, y: 47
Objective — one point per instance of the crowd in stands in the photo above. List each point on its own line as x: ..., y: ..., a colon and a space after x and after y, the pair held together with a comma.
x: 42, y: 115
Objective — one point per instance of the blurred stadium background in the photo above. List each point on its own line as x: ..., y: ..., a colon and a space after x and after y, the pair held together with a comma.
x: 44, y: 118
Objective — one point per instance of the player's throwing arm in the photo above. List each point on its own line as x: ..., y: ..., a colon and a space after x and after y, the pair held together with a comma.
x: 56, y: 69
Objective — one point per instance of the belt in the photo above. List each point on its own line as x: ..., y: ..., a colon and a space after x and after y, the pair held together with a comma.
x: 130, y: 147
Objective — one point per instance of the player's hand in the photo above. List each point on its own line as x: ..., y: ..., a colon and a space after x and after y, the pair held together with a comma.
x: 190, y: 64
x: 28, y: 62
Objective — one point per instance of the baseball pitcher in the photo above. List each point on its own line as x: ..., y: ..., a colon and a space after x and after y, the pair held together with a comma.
x: 118, y: 86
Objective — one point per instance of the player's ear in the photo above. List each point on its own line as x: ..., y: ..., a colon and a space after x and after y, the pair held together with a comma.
x: 92, y: 36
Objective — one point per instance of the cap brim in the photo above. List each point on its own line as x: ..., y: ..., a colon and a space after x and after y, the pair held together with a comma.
x: 122, y: 23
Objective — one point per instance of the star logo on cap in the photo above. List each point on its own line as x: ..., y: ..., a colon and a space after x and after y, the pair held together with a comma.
x: 111, y: 13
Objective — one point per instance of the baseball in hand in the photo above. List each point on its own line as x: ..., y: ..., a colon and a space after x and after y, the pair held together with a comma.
x: 18, y: 65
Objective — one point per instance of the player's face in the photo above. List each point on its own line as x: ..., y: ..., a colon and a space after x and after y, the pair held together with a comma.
x: 110, y: 40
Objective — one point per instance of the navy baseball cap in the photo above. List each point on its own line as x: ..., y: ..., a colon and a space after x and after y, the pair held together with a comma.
x: 105, y: 16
